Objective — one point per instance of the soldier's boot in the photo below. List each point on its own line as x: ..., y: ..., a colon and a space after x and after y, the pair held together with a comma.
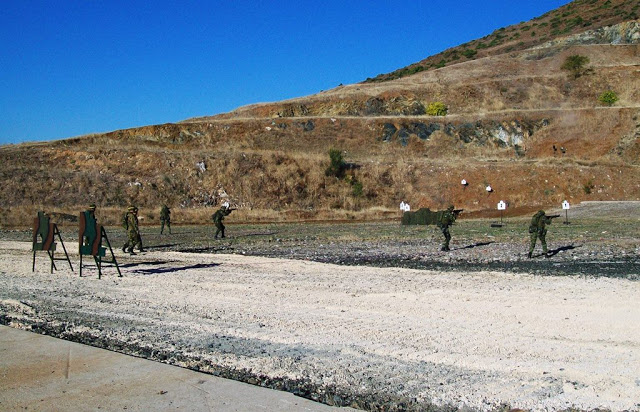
x: 445, y: 249
x: 124, y: 248
x: 131, y: 252
x: 529, y: 255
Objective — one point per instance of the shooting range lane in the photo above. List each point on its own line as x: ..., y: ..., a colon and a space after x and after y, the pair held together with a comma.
x: 351, y: 334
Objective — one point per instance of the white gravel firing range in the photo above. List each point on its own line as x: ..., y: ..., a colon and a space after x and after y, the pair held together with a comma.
x: 372, y: 338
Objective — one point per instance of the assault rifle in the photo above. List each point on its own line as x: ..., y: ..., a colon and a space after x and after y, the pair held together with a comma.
x: 457, y: 211
x: 551, y: 217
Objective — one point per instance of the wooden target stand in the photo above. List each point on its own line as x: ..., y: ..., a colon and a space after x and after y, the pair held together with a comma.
x: 90, y: 237
x: 44, y: 232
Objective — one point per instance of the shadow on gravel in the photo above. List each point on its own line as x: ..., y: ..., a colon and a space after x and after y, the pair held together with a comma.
x: 475, y: 245
x: 178, y: 269
x: 205, y: 249
x: 158, y: 247
x: 150, y: 263
x: 562, y: 249
x: 257, y: 234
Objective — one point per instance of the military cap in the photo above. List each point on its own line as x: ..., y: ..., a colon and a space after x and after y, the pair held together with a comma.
x: 131, y: 208
x: 92, y: 206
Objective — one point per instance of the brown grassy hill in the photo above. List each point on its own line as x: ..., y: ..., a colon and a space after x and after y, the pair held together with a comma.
x: 506, y: 112
x: 573, y: 18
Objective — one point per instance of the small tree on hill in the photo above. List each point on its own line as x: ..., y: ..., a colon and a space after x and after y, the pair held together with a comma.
x: 337, y: 165
x: 576, y: 65
x: 437, y: 109
x: 608, y: 98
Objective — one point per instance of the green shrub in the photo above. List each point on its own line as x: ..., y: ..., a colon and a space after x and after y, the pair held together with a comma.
x: 356, y: 188
x: 337, y: 165
x: 608, y: 98
x: 469, y: 53
x: 437, y: 109
x: 576, y: 65
x: 588, y: 187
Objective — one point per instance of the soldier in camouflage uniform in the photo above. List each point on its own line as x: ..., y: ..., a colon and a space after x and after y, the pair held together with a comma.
x: 165, y: 218
x: 133, y: 232
x: 538, y: 230
x: 218, y: 217
x: 446, y: 219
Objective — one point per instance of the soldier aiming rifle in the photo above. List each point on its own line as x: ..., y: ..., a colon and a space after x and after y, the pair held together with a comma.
x: 219, y: 216
x: 538, y: 230
x: 447, y: 218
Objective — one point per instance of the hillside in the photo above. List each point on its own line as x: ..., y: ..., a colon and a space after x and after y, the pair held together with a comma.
x: 573, y: 18
x: 508, y: 107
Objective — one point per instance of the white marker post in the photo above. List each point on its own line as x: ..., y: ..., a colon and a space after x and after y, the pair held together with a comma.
x: 566, y: 207
x: 502, y: 206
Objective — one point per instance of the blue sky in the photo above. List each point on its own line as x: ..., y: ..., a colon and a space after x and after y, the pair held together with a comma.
x: 69, y: 68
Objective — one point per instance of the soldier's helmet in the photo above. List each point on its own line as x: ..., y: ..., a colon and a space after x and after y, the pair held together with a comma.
x: 131, y: 208
x: 450, y: 208
x: 92, y: 206
x: 540, y: 212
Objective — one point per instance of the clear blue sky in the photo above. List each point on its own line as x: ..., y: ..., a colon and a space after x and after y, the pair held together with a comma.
x: 69, y: 68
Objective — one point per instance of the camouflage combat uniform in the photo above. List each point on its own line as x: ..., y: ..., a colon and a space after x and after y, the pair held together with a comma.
x: 133, y: 232
x: 538, y: 230
x: 218, y: 217
x: 165, y: 218
x: 446, y: 219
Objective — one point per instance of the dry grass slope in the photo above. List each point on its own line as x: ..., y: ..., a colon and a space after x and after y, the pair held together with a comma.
x: 516, y: 121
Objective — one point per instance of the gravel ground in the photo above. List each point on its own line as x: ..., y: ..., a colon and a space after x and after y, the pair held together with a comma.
x: 369, y: 315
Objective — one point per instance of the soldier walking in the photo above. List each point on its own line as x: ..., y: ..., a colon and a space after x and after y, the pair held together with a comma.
x: 538, y: 230
x: 218, y: 217
x: 446, y: 219
x: 165, y: 218
x: 133, y: 232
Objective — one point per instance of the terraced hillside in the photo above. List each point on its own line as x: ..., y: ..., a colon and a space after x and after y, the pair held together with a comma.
x: 516, y: 120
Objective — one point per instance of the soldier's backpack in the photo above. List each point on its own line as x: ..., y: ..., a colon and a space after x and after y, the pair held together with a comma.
x: 125, y: 221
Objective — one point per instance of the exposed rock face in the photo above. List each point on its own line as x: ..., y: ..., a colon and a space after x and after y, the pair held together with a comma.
x: 481, y: 133
x: 623, y: 33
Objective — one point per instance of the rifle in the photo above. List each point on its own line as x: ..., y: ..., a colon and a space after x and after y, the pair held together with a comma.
x: 457, y: 211
x: 551, y: 217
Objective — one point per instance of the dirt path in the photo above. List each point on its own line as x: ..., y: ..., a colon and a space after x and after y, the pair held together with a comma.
x: 360, y: 336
